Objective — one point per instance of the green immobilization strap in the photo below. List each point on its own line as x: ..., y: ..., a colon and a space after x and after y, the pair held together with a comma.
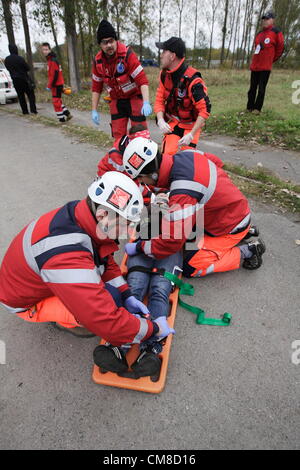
x: 188, y: 289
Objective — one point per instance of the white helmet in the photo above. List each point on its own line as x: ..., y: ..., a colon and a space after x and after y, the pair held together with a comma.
x: 119, y: 193
x: 138, y: 154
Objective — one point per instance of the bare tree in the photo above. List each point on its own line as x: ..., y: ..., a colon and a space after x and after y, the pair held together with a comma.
x: 232, y: 19
x: 161, y: 7
x: 224, y: 31
x: 45, y: 12
x: 141, y: 22
x: 211, y: 19
x: 236, y: 32
x: 119, y: 14
x: 69, y: 18
x: 6, y: 4
x: 27, y: 36
x: 195, y: 29
x: 180, y: 5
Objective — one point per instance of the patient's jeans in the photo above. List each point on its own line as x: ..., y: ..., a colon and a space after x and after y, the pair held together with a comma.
x: 157, y: 287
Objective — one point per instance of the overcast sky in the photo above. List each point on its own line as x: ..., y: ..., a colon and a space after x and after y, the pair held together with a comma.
x: 37, y: 36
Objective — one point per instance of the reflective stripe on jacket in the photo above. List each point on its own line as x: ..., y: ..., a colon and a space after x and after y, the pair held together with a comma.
x: 60, y: 254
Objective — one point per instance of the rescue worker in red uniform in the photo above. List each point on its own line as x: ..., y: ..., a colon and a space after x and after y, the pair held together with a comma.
x: 269, y: 46
x: 195, y: 183
x: 117, y: 67
x: 60, y: 268
x: 182, y: 104
x: 113, y: 160
x: 55, y: 83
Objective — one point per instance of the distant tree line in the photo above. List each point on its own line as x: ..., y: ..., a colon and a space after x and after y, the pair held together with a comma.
x: 231, y: 23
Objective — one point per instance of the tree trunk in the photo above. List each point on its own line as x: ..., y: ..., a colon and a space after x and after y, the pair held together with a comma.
x: 237, y: 27
x: 210, y: 45
x: 141, y: 27
x: 224, y: 32
x: 231, y: 33
x: 82, y: 41
x: 51, y: 21
x: 104, y: 8
x: 159, y: 28
x: 72, y: 45
x: 27, y: 37
x: 8, y: 21
x: 195, y: 30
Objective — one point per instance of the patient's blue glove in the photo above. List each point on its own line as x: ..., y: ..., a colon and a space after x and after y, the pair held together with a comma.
x: 164, y: 328
x: 146, y: 109
x: 130, y: 249
x: 134, y: 305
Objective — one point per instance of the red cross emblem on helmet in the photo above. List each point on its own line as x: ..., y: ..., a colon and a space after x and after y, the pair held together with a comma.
x: 119, y: 198
x: 136, y: 161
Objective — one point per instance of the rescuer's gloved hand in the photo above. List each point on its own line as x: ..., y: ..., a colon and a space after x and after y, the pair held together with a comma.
x: 186, y: 139
x: 147, y: 108
x: 48, y: 89
x: 131, y: 249
x: 164, y: 126
x: 95, y: 117
x: 134, y: 305
x: 164, y: 328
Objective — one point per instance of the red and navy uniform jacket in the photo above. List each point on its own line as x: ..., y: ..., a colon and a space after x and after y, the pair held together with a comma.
x: 55, y: 76
x: 270, y: 44
x: 123, y: 75
x: 196, y: 182
x: 60, y: 255
x: 182, y: 94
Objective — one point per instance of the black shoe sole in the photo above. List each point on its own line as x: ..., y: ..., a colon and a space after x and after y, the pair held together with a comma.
x: 255, y: 261
x: 107, y: 361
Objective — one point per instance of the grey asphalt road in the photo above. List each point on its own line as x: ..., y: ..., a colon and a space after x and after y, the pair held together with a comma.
x: 227, y: 388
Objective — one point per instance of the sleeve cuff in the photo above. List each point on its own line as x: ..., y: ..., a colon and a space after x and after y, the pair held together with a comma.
x: 127, y: 293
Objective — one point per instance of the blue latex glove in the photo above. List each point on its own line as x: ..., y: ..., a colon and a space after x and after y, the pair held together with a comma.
x: 130, y: 249
x: 95, y: 117
x: 146, y: 109
x: 134, y: 305
x: 164, y: 328
x: 48, y: 89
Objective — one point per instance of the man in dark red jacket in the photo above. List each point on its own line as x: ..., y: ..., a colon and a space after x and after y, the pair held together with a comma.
x: 55, y: 83
x: 269, y: 45
x: 199, y: 187
x: 117, y: 67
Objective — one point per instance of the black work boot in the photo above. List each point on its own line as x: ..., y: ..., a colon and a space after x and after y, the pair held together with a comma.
x: 110, y: 359
x: 147, y: 364
x: 253, y: 232
x: 257, y: 248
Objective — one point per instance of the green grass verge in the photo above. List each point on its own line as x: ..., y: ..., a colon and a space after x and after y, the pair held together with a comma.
x: 82, y: 133
x: 265, y: 186
x: 278, y: 124
x: 257, y: 182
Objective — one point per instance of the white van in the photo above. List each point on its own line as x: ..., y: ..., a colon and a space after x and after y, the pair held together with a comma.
x: 7, y: 91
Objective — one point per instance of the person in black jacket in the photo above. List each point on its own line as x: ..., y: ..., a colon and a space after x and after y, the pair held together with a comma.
x: 23, y: 84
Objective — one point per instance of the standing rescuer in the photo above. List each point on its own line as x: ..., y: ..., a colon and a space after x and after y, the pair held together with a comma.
x: 55, y: 83
x: 60, y: 268
x: 182, y: 104
x: 117, y: 66
x: 269, y: 46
